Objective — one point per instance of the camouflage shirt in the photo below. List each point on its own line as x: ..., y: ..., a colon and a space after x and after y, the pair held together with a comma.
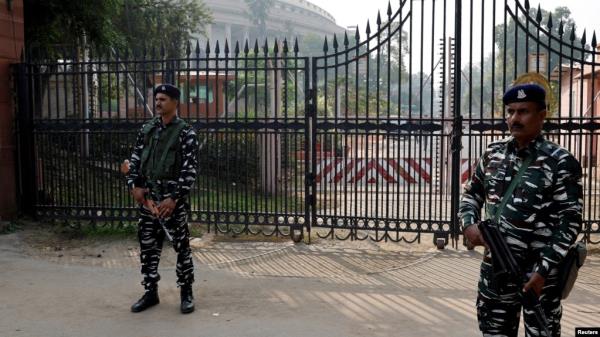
x: 164, y: 189
x: 544, y: 215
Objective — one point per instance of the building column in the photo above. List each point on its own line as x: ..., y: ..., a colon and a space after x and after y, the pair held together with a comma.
x: 209, y: 33
x: 11, y: 45
x: 228, y: 34
x: 246, y: 35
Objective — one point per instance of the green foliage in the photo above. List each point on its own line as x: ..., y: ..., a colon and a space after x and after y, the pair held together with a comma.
x: 236, y: 198
x: 477, y: 98
x: 161, y: 23
x: 519, y: 53
x: 126, y: 25
x: 230, y: 157
x: 357, y: 105
x: 311, y: 45
x: 107, y: 230
x: 10, y: 227
x: 50, y: 23
x: 108, y: 87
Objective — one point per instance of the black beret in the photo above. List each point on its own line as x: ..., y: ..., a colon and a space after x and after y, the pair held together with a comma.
x: 525, y: 93
x: 167, y: 89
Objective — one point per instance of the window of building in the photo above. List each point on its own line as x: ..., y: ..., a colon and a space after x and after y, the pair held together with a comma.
x: 198, y: 93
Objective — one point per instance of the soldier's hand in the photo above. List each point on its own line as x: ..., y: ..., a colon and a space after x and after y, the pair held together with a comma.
x: 139, y: 194
x: 536, y: 282
x: 125, y: 167
x: 474, y: 235
x: 166, y: 207
x: 151, y: 206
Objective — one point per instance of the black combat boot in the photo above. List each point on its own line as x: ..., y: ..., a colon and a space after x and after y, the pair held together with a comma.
x: 149, y: 299
x: 187, y: 299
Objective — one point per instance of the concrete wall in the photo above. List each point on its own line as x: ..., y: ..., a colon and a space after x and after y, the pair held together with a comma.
x: 11, y: 43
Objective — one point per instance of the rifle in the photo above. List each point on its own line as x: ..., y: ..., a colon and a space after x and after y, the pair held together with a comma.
x: 149, y: 204
x: 505, y: 265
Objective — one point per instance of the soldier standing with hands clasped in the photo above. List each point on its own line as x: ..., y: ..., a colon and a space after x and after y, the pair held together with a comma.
x: 162, y: 170
x: 539, y: 222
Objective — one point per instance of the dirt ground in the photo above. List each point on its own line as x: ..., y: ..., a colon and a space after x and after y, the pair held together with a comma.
x: 63, y: 285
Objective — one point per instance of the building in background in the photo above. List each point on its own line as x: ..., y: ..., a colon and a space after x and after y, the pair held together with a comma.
x: 287, y: 18
x: 579, y: 92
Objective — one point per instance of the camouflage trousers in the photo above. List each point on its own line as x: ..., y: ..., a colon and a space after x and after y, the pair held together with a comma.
x: 499, y: 306
x: 151, y: 237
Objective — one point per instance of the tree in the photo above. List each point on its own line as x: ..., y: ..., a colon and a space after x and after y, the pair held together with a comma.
x: 111, y: 26
x: 161, y: 23
x: 50, y: 24
x: 259, y: 12
x: 559, y: 23
x: 477, y: 99
x: 311, y: 45
x: 119, y: 24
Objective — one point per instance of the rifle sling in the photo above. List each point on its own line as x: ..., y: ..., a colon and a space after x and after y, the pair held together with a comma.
x: 513, y: 184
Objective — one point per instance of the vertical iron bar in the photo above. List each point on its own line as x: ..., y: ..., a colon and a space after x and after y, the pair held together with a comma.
x: 310, y: 88
x: 378, y: 135
x: 389, y: 139
x: 442, y: 189
x: 419, y: 144
x: 592, y: 160
x: 431, y: 136
x: 516, y: 56
x: 457, y: 123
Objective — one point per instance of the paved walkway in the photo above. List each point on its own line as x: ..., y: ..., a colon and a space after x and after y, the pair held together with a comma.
x: 257, y: 289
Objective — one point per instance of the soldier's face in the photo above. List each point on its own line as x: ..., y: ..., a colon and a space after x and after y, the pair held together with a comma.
x: 525, y: 120
x: 165, y: 105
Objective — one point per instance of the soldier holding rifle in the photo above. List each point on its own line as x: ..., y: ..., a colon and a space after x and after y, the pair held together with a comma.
x: 539, y: 217
x: 161, y: 172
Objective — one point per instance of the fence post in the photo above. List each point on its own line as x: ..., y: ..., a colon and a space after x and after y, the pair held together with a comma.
x: 456, y: 142
x: 26, y: 161
x: 310, y: 85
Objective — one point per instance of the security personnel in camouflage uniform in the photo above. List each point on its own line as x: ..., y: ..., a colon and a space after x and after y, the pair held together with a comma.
x: 162, y: 171
x: 540, y: 221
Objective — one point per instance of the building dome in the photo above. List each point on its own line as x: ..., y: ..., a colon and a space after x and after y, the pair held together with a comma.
x: 286, y: 18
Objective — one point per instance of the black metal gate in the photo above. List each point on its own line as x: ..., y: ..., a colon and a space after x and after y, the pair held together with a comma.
x: 79, y: 118
x: 372, y: 139
x: 401, y: 117
x: 383, y: 130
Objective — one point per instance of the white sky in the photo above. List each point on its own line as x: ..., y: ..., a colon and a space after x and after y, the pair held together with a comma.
x: 353, y: 12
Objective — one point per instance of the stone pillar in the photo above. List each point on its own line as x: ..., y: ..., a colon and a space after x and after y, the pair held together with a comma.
x: 246, y: 36
x: 228, y: 35
x: 209, y: 34
x: 11, y: 44
x: 270, y: 141
x: 231, y: 44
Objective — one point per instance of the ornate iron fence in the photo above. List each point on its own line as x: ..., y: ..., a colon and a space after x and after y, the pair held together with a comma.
x: 372, y: 139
